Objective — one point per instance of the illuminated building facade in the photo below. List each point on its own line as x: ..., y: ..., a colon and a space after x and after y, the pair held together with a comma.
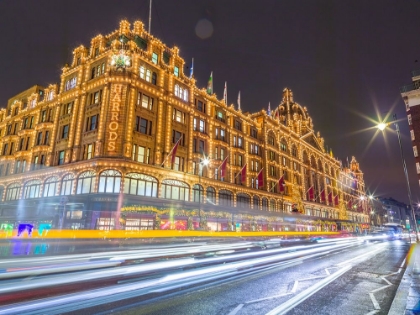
x: 411, y: 96
x: 119, y: 143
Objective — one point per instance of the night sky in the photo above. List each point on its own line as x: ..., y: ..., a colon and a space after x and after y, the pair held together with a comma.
x: 344, y: 60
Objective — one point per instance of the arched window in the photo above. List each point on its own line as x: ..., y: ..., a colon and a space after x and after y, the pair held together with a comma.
x: 256, y: 202
x: 110, y: 182
x: 50, y: 186
x: 13, y: 192
x: 283, y: 145
x: 265, y: 204
x: 211, y: 195
x: 174, y: 189
x: 243, y: 201
x: 86, y: 182
x: 225, y: 198
x: 154, y: 78
x: 272, y: 205
x: 32, y: 189
x: 198, y: 193
x: 141, y: 185
x: 294, y: 151
x: 67, y: 184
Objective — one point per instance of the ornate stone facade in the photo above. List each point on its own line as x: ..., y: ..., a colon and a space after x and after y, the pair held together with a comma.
x: 126, y: 126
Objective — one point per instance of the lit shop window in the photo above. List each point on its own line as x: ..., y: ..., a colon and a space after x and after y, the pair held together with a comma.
x: 110, y: 182
x: 181, y: 92
x: 174, y: 189
x: 140, y: 185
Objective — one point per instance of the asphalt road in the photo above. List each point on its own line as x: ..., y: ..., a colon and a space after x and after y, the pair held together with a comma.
x: 367, y: 286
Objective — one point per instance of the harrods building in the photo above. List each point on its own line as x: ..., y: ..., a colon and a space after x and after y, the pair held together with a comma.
x: 118, y: 143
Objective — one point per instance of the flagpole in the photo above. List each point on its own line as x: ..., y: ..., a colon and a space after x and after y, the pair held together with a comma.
x: 150, y: 16
x: 163, y: 163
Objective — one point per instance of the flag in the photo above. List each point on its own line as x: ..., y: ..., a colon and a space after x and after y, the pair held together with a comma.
x: 322, y: 195
x: 239, y: 100
x: 310, y: 193
x: 330, y: 198
x: 192, y: 68
x: 349, y: 204
x: 225, y: 93
x: 174, y: 149
x: 260, y: 178
x: 331, y: 154
x: 269, y: 109
x: 223, y: 168
x: 243, y: 174
x: 210, y: 84
x: 336, y: 200
x: 282, y: 184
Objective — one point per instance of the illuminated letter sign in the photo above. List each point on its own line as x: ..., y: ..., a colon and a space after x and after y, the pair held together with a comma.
x: 114, y: 115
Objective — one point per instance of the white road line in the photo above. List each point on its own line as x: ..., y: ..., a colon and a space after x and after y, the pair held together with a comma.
x: 375, y: 303
x: 236, y: 309
x: 295, y: 285
x: 403, y: 263
x: 327, y: 271
x: 373, y: 312
x: 386, y: 280
x: 381, y: 288
x: 268, y: 298
x: 311, y: 278
x: 302, y: 296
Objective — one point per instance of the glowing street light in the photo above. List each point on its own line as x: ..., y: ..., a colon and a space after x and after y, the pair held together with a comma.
x: 382, y: 127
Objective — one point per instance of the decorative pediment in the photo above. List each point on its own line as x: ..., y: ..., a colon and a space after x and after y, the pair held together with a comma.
x: 312, y: 141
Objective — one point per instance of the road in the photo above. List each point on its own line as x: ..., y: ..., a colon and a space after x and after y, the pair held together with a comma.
x: 345, y: 276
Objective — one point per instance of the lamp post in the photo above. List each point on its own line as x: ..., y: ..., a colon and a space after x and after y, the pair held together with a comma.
x: 204, y: 162
x: 382, y: 127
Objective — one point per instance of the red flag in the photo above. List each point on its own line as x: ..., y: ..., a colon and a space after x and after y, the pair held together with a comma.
x: 310, y: 193
x: 336, y: 200
x: 243, y: 174
x: 282, y: 184
x: 350, y: 204
x: 174, y: 151
x: 260, y: 178
x: 330, y: 198
x: 323, y: 195
x: 223, y: 168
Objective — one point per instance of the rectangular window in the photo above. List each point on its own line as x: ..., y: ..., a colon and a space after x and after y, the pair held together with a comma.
x: 179, y: 116
x: 409, y: 119
x: 5, y: 148
x: 176, y: 71
x: 145, y: 126
x: 155, y: 58
x: 412, y: 135
x: 11, y: 147
x: 61, y: 158
x: 96, y: 97
x: 222, y: 153
x: 89, y: 151
x: 39, y: 138
x: 239, y: 142
x: 254, y: 133
x: 238, y: 125
x: 176, y: 135
x: 44, y: 115
x: 47, y: 136
x: 28, y: 140
x: 415, y: 151
x: 145, y: 101
x: 92, y: 123
x: 201, y: 106
x: 65, y: 132
x: 216, y: 153
x: 21, y: 144
x: 179, y: 163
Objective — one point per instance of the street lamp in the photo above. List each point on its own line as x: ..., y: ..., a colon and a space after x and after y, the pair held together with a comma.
x: 204, y: 163
x: 382, y: 127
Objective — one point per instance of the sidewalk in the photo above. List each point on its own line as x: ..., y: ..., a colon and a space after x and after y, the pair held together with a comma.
x: 407, y: 298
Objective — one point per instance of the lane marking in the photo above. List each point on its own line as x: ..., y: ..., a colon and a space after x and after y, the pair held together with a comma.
x: 373, y: 312
x: 374, y: 301
x: 236, y: 309
x: 302, y: 296
x: 386, y: 280
x: 295, y: 285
